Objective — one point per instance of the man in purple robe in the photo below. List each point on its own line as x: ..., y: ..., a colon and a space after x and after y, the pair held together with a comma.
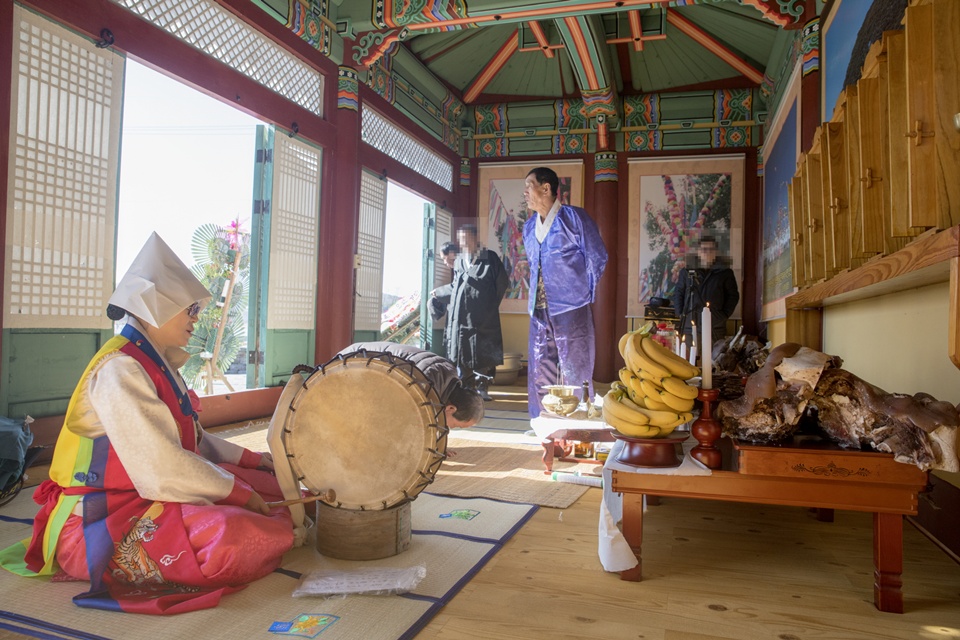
x: 567, y: 258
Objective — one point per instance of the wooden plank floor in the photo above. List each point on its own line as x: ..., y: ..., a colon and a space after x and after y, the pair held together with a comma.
x: 711, y: 570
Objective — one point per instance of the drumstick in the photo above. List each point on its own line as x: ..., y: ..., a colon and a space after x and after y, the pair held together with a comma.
x: 328, y: 496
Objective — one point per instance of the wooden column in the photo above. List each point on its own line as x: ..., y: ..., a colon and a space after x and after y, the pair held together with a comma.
x: 338, y: 235
x: 606, y: 201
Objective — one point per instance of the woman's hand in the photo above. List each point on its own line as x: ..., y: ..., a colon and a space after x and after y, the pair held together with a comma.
x: 266, y: 461
x: 256, y: 504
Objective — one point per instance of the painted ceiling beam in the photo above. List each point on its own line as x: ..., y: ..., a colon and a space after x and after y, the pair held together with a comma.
x: 636, y: 34
x: 585, y: 40
x: 570, y: 8
x: 454, y: 14
x: 714, y: 46
x: 541, y: 37
x: 496, y: 63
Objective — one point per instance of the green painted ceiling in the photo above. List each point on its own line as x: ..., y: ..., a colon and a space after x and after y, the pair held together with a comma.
x: 681, y: 60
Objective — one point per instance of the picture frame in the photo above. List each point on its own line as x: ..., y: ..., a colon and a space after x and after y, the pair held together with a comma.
x: 674, y: 201
x: 502, y: 212
x: 781, y: 150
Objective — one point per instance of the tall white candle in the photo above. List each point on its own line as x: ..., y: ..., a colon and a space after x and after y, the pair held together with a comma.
x: 707, y: 356
x: 693, y: 342
x: 683, y: 347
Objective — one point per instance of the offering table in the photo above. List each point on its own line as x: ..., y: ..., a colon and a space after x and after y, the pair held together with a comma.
x: 555, y: 431
x: 803, y: 473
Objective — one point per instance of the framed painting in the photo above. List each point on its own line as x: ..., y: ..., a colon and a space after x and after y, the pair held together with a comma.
x: 780, y: 152
x: 502, y: 211
x: 673, y: 203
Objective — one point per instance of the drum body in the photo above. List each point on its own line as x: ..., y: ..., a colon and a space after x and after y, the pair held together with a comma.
x: 371, y: 427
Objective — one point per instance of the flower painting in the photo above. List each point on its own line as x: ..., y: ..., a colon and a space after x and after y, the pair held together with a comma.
x: 673, y: 204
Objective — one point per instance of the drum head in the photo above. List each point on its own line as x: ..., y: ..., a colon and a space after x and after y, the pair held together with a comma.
x: 367, y: 429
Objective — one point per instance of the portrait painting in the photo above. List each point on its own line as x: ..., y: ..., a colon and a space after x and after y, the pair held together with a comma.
x: 503, y: 212
x: 674, y: 203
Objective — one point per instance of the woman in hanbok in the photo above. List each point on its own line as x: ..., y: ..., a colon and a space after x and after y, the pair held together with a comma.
x: 158, y: 515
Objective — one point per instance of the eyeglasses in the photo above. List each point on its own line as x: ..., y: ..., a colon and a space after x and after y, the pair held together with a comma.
x: 194, y: 309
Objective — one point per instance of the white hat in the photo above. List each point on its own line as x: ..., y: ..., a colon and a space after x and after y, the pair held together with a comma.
x: 157, y: 286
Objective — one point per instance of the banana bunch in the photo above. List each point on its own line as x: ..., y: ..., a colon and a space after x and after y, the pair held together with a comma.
x: 651, y: 398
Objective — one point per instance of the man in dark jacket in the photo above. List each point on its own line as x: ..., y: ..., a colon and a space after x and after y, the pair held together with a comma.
x: 472, y: 334
x: 708, y: 280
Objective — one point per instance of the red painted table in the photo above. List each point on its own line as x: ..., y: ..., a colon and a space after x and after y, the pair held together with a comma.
x: 805, y: 473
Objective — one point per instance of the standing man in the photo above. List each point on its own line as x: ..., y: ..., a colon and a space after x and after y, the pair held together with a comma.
x: 706, y: 279
x: 472, y: 334
x: 567, y: 258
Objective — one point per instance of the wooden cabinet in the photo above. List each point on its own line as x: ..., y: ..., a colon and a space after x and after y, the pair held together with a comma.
x: 886, y: 168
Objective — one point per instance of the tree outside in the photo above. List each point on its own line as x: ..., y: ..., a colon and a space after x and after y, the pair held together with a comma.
x: 222, y: 264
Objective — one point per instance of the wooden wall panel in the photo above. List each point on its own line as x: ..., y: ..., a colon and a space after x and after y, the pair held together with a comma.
x: 851, y: 128
x: 835, y: 187
x: 813, y: 201
x: 921, y: 156
x: 899, y: 169
x: 946, y: 71
x: 871, y: 239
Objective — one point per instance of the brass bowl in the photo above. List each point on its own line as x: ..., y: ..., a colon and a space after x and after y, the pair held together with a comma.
x: 561, y: 399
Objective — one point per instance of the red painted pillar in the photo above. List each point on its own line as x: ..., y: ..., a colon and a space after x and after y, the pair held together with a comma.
x: 606, y: 204
x: 339, y: 214
x: 810, y: 117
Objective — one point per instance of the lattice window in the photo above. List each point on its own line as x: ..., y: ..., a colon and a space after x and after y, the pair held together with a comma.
x: 441, y: 273
x: 213, y: 30
x: 293, y: 236
x: 63, y: 178
x: 373, y: 210
x: 382, y: 134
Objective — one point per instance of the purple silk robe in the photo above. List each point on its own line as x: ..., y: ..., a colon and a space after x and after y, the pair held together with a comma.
x: 570, y: 260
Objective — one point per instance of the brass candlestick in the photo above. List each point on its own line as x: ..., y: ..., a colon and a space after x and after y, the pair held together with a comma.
x: 706, y: 429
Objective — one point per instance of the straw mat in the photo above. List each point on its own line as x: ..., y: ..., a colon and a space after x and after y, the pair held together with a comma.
x: 498, y: 459
x: 452, y: 538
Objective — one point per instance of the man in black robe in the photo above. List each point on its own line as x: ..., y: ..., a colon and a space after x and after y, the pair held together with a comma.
x: 472, y: 334
x: 708, y: 280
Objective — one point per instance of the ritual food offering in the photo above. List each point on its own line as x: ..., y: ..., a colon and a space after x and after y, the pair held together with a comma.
x: 652, y: 397
x: 798, y: 386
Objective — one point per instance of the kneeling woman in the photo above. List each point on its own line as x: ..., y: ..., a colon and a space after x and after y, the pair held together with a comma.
x: 159, y: 516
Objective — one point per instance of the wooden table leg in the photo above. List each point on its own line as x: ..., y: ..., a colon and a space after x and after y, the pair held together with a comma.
x: 887, y: 561
x: 548, y: 448
x: 633, y: 533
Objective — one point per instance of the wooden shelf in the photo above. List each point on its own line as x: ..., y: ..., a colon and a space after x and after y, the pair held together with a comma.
x: 926, y: 260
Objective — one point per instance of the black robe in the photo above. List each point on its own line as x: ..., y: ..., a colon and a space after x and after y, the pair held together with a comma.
x: 718, y: 286
x: 472, y: 334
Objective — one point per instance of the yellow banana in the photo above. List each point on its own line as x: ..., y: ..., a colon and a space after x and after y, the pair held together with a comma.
x: 650, y: 389
x: 631, y: 429
x: 658, y: 417
x: 667, y: 430
x: 625, y: 374
x: 668, y: 359
x: 656, y: 404
x: 686, y: 416
x: 616, y: 385
x: 630, y: 404
x: 636, y: 385
x: 638, y: 361
x: 612, y: 407
x: 623, y: 343
x: 679, y: 388
x: 676, y: 403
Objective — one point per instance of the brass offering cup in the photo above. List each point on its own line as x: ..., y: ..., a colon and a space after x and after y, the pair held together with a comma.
x: 561, y: 399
